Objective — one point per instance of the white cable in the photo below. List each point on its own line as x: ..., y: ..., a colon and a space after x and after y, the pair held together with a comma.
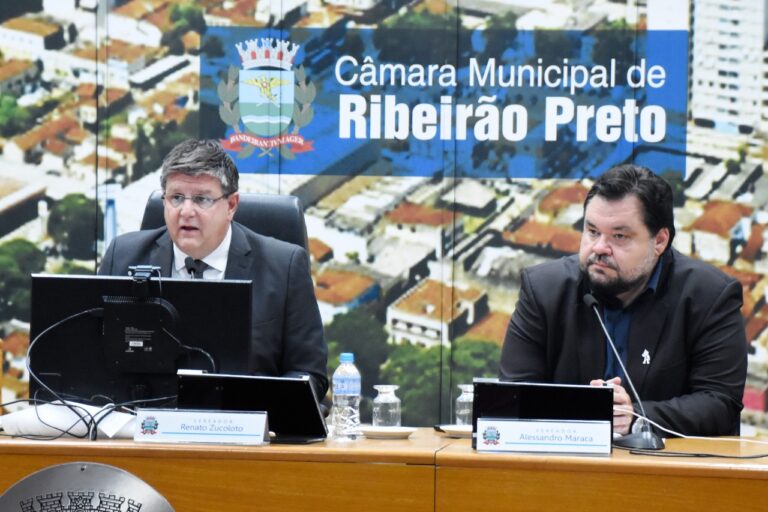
x: 678, y: 434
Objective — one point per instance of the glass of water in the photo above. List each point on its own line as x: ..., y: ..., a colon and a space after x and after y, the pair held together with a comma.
x: 464, y: 404
x: 386, y: 406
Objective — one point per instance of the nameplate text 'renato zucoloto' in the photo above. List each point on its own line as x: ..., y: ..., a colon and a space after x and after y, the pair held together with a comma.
x: 544, y: 436
x: 201, y: 426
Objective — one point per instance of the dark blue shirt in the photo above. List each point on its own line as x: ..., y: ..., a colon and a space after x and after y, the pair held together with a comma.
x: 617, y: 323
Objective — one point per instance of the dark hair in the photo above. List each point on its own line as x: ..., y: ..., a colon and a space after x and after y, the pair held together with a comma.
x: 194, y: 157
x: 654, y: 193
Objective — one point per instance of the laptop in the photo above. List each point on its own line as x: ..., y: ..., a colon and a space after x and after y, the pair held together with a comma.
x: 293, y: 412
x: 538, y: 401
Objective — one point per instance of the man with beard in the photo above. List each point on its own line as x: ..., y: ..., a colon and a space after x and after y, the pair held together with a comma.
x: 676, y: 321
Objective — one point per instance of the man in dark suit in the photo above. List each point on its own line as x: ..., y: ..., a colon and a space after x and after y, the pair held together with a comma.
x: 200, y: 182
x: 676, y: 321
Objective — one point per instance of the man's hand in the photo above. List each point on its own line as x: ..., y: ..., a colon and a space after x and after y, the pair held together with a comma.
x: 622, y: 404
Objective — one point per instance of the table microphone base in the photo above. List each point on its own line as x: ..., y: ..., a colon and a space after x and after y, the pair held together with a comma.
x: 645, y: 440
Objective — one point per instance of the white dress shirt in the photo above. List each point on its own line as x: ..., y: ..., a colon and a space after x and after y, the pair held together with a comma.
x: 216, y: 261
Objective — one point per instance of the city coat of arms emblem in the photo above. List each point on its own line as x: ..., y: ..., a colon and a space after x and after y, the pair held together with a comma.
x: 266, y: 102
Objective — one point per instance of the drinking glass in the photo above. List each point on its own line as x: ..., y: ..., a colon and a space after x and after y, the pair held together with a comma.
x: 464, y: 404
x: 386, y: 406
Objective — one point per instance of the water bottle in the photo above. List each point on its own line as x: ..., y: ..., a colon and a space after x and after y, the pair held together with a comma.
x: 345, y: 424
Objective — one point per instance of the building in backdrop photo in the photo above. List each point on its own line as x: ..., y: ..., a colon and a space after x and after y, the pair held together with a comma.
x: 438, y: 148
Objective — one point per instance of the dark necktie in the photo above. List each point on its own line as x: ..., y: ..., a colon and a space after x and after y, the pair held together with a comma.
x: 195, y: 267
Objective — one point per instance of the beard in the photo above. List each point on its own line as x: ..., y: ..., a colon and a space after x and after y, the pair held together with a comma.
x: 615, y: 286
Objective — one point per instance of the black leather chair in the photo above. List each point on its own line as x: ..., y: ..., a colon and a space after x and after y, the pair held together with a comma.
x: 278, y: 216
x: 274, y: 215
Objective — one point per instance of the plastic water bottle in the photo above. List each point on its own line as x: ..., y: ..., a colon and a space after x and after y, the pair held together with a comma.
x: 346, y: 399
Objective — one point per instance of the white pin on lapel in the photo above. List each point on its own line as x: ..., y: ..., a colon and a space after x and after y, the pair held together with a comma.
x: 646, y: 357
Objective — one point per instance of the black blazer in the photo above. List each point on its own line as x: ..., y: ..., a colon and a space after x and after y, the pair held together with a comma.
x: 691, y: 326
x: 287, y: 330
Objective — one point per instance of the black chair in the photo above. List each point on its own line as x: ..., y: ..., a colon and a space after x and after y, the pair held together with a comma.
x: 278, y: 216
x: 274, y: 215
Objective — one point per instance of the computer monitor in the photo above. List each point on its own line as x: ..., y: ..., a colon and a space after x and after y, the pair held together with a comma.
x: 494, y: 398
x: 294, y: 413
x: 101, y: 339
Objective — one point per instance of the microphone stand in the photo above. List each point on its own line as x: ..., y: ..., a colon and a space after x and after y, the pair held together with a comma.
x: 646, y: 439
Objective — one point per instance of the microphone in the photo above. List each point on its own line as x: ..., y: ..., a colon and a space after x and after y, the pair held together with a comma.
x: 646, y: 439
x: 190, y: 264
x: 195, y: 268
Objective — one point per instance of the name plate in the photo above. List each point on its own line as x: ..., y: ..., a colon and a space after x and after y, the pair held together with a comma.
x: 200, y: 426
x: 544, y: 436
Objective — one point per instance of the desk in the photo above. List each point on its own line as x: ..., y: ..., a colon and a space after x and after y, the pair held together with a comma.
x: 424, y: 473
x: 470, y: 481
x: 362, y: 476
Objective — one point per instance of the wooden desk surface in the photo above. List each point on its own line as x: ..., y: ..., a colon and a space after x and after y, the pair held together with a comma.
x: 427, y: 472
x: 419, y: 448
x: 471, y: 481
x: 461, y: 454
x: 366, y: 474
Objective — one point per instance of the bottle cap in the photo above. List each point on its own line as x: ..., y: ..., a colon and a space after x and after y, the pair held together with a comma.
x: 347, y: 357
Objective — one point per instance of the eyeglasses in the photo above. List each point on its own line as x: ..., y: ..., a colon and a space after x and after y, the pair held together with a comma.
x: 200, y: 201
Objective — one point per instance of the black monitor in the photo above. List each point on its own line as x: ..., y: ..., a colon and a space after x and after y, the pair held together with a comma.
x: 539, y: 401
x: 294, y: 414
x: 101, y: 339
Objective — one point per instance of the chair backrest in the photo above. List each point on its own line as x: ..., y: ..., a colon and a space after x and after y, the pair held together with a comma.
x: 278, y: 216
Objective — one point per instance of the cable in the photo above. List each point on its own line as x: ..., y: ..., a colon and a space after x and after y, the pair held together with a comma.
x: 28, y: 401
x: 142, y: 274
x: 146, y: 401
x: 124, y: 405
x: 36, y: 437
x: 105, y: 411
x: 159, y: 279
x: 33, y: 375
x: 88, y: 420
x: 93, y: 419
x: 79, y: 411
x: 192, y: 349
x: 701, y: 455
x: 81, y: 417
x: 683, y: 436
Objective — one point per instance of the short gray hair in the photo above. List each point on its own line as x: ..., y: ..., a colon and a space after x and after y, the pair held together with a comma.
x: 194, y: 157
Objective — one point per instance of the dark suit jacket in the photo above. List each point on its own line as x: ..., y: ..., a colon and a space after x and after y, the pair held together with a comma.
x: 287, y: 330
x: 691, y: 326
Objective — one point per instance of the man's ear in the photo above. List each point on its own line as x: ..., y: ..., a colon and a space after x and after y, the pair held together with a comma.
x: 232, y: 202
x: 661, y: 241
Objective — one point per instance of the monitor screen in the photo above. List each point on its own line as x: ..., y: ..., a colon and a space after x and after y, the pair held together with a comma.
x: 100, y: 339
x: 539, y: 401
x: 294, y: 414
